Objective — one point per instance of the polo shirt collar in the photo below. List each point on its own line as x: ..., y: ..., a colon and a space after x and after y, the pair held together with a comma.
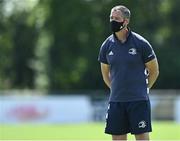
x: 128, y: 35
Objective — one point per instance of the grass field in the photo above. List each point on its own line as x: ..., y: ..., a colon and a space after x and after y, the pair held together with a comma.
x: 90, y: 131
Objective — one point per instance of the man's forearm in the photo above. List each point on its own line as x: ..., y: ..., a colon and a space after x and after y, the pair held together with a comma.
x: 153, y: 72
x: 106, y: 74
x: 107, y: 81
x: 152, y: 78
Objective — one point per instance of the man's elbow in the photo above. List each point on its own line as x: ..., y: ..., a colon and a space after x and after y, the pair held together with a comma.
x: 154, y: 72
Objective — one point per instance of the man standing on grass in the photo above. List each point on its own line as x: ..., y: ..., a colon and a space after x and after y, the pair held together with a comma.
x: 129, y: 68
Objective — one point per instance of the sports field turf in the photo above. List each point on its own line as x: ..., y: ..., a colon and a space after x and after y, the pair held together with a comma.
x: 90, y: 131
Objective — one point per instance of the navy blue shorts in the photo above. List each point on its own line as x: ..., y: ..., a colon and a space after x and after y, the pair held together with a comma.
x: 128, y: 117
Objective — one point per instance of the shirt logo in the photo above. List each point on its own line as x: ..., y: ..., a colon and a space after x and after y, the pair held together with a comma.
x: 132, y: 51
x: 111, y: 53
x: 142, y: 124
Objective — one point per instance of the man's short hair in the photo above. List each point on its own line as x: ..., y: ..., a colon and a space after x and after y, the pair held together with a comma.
x: 124, y: 10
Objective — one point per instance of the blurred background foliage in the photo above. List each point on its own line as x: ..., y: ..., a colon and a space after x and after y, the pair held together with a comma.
x: 54, y: 44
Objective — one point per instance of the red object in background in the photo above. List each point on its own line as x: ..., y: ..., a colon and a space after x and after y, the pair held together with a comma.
x: 28, y: 112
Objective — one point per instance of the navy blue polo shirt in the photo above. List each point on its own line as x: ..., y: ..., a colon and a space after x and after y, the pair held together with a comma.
x: 127, y: 66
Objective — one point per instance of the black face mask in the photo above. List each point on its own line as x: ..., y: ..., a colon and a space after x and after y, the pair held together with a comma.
x: 116, y: 26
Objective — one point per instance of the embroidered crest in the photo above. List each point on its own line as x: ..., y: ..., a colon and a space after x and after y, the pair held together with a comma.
x: 132, y: 51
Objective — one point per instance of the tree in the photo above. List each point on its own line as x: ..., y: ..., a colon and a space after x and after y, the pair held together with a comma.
x: 54, y: 45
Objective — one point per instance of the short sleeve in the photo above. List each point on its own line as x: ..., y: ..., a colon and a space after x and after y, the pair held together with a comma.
x: 102, y: 53
x: 147, y: 52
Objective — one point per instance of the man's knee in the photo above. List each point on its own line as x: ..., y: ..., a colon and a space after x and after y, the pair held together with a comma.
x: 119, y: 137
x: 143, y: 136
